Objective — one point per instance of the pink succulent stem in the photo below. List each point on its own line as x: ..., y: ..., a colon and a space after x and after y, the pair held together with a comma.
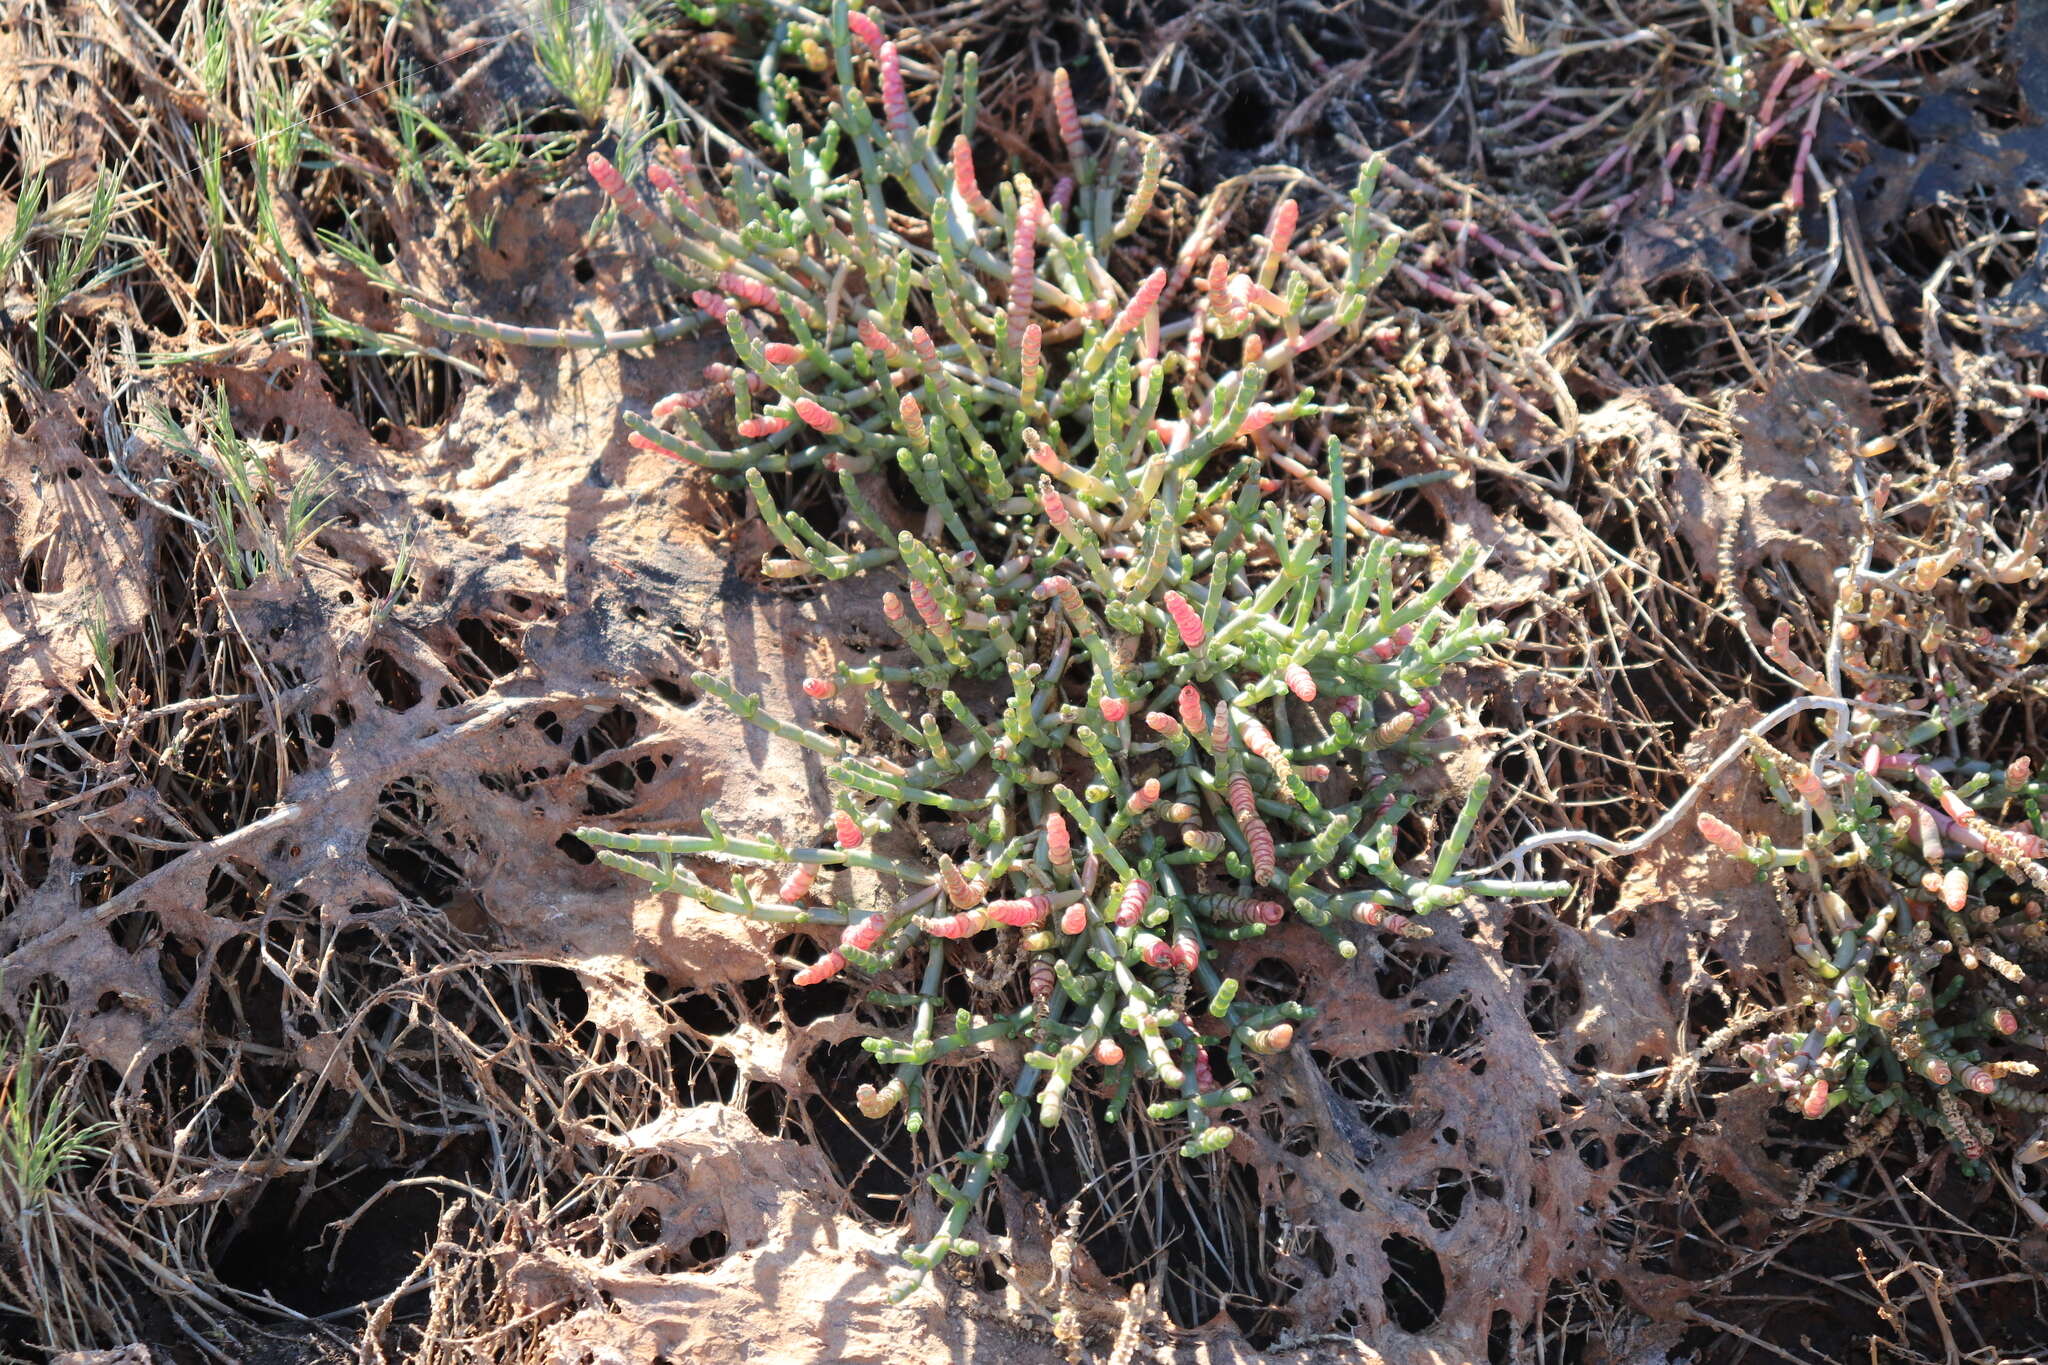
x: 797, y: 884
x: 817, y: 416
x: 867, y: 30
x: 1131, y: 906
x: 1066, y: 114
x: 895, y: 104
x: 1023, y: 276
x: 1188, y: 622
x: 1142, y: 302
x: 1059, y: 848
x: 967, y: 185
x: 1019, y: 914
x: 847, y: 829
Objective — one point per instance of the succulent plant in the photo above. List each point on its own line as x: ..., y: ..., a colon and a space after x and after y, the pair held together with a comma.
x: 1147, y: 705
x: 1913, y: 894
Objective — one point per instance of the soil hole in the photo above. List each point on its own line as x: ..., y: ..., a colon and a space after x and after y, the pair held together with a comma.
x: 1414, y: 1290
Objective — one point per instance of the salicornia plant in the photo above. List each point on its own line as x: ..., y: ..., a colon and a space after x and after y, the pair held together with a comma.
x: 1914, y: 888
x: 1145, y: 705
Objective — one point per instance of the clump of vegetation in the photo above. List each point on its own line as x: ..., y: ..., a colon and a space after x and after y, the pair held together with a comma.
x: 1211, y: 704
x: 1913, y: 893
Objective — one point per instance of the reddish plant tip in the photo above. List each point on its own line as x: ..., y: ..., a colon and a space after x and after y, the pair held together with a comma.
x: 1242, y: 803
x: 926, y: 606
x: 895, y: 103
x: 1054, y: 505
x: 1260, y: 840
x: 966, y: 924
x: 781, y: 353
x: 817, y: 416
x: 797, y: 884
x: 1188, y: 622
x: 1069, y: 597
x: 1299, y: 682
x: 1108, y: 1053
x: 825, y: 968
x: 1074, y: 919
x: 1114, y: 709
x: 872, y: 337
x: 1280, y: 1036
x: 964, y: 894
x: 863, y: 934
x: 867, y: 30
x: 604, y: 173
x: 1386, y: 649
x: 1162, y: 723
x: 1065, y: 112
x: 750, y: 291
x: 1280, y: 228
x: 1816, y: 1099
x: 1219, y: 729
x: 913, y: 417
x: 1019, y: 914
x: 1023, y: 277
x: 1159, y: 953
x: 1192, y: 717
x: 1059, y: 848
x: 965, y: 182
x: 757, y: 428
x: 1142, y: 302
x: 1261, y: 416
x: 1720, y: 834
x: 1132, y: 904
x: 847, y: 829
x: 820, y: 689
